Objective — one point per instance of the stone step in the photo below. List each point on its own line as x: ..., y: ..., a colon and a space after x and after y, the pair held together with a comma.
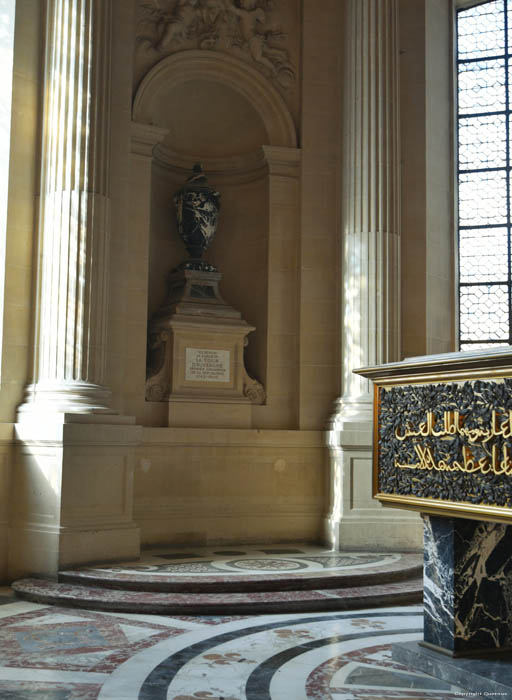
x: 232, y: 603
x: 408, y: 566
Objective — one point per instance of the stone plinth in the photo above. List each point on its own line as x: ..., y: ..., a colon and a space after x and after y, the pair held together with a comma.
x: 73, y: 486
x: 196, y: 355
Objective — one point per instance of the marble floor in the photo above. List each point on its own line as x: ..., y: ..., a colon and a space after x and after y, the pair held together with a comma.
x: 52, y: 653
x: 258, y: 579
x: 251, y: 560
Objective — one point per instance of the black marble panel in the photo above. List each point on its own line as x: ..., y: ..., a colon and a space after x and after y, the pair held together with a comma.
x: 467, y: 584
x: 438, y: 577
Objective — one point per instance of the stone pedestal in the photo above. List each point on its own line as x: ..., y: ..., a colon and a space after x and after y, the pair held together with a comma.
x: 196, y: 355
x: 73, y: 482
x: 355, y: 519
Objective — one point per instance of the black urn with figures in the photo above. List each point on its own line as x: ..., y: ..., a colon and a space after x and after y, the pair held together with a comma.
x: 197, y: 208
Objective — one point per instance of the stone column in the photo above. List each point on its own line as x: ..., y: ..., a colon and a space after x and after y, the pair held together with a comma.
x: 371, y: 204
x: 71, y: 305
x: 371, y: 261
x: 72, y: 487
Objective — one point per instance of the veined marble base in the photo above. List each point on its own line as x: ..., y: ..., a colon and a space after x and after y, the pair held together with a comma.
x: 467, y: 585
x: 482, y: 676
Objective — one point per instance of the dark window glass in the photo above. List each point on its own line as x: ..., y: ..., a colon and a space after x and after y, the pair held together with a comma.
x: 484, y: 68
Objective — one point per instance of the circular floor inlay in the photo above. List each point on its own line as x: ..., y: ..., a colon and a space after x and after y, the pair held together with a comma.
x: 268, y: 564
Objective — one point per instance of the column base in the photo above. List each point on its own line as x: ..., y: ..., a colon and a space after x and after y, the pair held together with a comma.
x: 352, y: 412
x: 46, y: 551
x: 386, y: 532
x: 356, y: 520
x: 65, y: 397
x: 73, y: 492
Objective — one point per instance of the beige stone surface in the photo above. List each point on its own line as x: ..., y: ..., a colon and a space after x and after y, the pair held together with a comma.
x: 211, y: 486
x: 320, y: 272
x: 73, y: 492
x: 6, y: 458
x: 225, y: 471
x: 428, y: 292
x: 19, y: 244
x: 354, y: 517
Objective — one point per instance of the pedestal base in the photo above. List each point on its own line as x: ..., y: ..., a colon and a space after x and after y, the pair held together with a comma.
x: 483, y: 676
x: 45, y: 551
x: 196, y: 352
x: 204, y: 414
x: 73, y: 492
x: 467, y: 585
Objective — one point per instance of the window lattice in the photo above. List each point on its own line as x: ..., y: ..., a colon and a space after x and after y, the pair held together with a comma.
x: 484, y: 41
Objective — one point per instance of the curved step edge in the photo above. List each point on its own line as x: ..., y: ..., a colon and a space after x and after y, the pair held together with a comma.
x: 66, y: 595
x: 221, y: 584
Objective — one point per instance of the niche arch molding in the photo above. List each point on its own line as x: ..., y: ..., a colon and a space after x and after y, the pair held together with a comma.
x: 269, y: 180
x: 217, y: 67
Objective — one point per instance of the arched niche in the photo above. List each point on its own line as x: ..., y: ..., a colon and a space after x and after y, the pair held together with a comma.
x: 209, y: 107
x: 226, y: 72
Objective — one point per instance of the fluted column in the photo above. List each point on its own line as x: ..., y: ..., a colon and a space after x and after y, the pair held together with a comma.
x: 371, y: 208
x: 371, y: 273
x: 71, y: 306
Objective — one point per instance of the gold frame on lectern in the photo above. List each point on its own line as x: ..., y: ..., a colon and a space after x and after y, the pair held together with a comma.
x: 452, y: 367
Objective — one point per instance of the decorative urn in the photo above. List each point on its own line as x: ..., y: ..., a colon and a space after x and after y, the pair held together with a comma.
x: 197, y: 208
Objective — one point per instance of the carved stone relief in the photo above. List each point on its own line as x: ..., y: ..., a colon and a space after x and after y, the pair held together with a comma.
x: 246, y: 28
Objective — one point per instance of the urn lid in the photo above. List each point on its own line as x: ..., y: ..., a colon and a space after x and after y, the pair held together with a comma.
x: 198, y: 180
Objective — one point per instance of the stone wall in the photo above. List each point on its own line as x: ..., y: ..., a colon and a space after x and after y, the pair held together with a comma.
x: 196, y: 486
x: 265, y: 115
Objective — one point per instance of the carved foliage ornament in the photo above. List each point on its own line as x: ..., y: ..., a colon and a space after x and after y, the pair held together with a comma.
x: 242, y: 27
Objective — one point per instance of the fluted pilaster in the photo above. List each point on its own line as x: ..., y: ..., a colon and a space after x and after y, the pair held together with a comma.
x: 71, y: 306
x: 371, y: 190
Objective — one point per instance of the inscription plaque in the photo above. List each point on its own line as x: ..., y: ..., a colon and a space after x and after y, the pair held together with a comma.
x: 446, y: 446
x: 207, y: 365
x: 443, y: 434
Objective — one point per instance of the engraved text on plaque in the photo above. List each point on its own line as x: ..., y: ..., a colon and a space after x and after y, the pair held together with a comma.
x: 206, y: 365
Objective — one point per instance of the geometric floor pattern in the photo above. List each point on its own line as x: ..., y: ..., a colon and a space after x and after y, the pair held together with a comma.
x: 255, y: 560
x: 51, y: 653
x: 257, y: 579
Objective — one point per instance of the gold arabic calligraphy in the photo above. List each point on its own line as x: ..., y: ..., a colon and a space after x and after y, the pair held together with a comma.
x: 498, y: 462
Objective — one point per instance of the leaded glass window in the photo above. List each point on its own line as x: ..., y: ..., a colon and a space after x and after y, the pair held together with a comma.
x: 484, y: 38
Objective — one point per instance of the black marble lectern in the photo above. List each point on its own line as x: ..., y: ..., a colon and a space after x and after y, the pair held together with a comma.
x: 443, y: 446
